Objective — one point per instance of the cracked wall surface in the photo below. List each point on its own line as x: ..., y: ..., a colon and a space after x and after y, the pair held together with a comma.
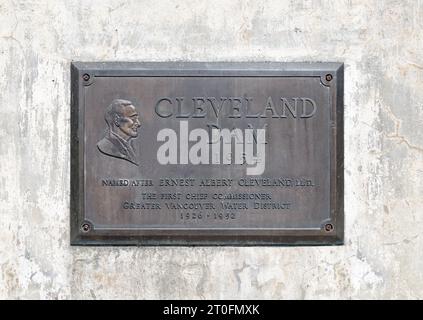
x: 381, y: 44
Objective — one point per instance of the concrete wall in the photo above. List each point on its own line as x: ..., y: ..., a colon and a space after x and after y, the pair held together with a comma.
x: 381, y: 43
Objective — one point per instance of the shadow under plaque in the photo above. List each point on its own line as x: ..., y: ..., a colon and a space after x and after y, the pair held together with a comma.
x: 206, y: 153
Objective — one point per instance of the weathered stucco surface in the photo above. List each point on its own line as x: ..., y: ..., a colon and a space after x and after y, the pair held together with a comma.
x: 381, y: 43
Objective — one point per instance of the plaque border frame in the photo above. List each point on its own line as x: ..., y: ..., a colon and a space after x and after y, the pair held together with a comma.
x: 83, y: 232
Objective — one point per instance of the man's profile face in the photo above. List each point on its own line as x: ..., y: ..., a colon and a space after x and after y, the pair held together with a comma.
x: 129, y: 121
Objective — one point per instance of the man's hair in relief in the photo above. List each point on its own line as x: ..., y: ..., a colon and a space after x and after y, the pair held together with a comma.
x: 115, y: 109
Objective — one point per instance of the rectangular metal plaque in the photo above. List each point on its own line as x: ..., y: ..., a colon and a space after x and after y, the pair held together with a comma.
x: 206, y: 153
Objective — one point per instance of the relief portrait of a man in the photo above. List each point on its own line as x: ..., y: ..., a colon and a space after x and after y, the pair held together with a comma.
x: 123, y: 122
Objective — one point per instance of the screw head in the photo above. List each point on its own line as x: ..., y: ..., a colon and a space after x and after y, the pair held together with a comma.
x: 328, y: 77
x: 86, y: 77
x: 85, y: 227
x: 329, y: 227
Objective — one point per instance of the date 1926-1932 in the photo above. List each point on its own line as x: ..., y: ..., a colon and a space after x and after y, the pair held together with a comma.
x: 212, y: 215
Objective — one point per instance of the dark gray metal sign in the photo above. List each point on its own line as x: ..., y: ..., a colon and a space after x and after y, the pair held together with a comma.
x: 207, y: 153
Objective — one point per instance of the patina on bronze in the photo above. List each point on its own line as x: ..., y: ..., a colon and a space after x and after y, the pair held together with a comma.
x: 206, y: 153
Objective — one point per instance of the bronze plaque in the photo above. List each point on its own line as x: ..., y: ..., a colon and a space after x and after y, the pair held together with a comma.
x: 206, y: 153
